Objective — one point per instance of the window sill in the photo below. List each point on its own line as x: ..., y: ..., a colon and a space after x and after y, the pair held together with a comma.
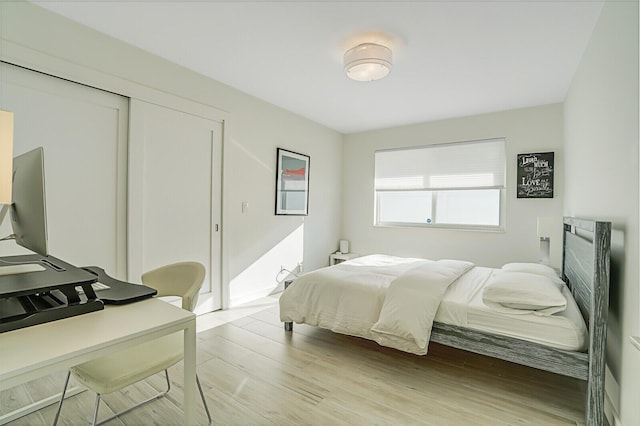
x: 495, y: 229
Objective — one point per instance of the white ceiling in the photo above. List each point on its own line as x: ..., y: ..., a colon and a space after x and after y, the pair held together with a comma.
x: 450, y: 59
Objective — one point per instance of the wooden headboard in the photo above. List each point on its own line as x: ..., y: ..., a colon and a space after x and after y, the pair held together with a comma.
x: 585, y: 269
x: 585, y: 266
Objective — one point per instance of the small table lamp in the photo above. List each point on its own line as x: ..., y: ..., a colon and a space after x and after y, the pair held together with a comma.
x: 545, y: 230
x: 6, y: 156
x: 344, y: 246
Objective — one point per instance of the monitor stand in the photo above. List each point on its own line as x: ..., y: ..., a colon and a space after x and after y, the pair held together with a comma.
x: 3, y: 212
x: 21, y: 268
x: 47, y: 294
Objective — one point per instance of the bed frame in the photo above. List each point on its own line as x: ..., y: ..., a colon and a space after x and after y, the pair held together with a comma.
x: 585, y: 269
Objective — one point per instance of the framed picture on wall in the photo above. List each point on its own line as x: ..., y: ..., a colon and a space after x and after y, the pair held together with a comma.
x: 292, y: 183
x: 535, y: 175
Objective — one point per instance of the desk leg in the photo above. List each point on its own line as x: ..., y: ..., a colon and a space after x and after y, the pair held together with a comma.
x: 190, y: 373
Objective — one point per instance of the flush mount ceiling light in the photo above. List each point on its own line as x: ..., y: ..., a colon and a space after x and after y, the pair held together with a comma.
x: 367, y: 62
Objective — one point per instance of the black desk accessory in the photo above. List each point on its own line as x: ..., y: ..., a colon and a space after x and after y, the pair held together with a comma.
x: 38, y: 297
x: 119, y: 292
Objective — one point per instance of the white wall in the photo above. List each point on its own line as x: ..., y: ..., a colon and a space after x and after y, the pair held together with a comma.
x: 252, y: 241
x: 601, y: 181
x: 528, y: 130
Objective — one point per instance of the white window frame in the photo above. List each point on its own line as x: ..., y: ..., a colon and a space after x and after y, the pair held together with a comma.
x: 434, y: 224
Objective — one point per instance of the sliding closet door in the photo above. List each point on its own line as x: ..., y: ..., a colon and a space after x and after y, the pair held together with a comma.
x: 84, y: 134
x: 175, y: 193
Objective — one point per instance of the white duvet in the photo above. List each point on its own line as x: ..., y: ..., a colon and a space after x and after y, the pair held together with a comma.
x: 403, y: 296
x: 412, y: 302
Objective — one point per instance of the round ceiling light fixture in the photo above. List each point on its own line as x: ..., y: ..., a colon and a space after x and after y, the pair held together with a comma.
x: 367, y: 62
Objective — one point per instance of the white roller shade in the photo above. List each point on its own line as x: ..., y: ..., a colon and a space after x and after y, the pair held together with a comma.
x: 478, y: 164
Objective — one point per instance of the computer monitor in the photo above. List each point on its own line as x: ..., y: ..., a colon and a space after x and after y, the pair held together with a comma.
x: 28, y: 210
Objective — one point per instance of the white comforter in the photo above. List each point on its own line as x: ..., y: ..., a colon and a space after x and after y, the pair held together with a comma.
x: 403, y: 294
x: 412, y: 302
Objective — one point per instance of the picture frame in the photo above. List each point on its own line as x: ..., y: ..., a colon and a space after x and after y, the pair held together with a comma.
x: 292, y: 183
x: 535, y: 175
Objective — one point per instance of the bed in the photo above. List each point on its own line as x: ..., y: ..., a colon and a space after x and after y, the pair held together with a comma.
x: 360, y: 298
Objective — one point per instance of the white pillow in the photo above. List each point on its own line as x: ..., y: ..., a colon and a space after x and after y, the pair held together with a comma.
x: 522, y: 292
x: 531, y: 268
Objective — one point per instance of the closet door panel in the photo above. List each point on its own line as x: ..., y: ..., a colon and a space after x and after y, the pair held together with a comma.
x: 84, y: 135
x: 175, y: 181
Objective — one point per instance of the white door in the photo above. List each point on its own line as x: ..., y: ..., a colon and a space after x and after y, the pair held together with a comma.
x: 175, y: 193
x: 83, y: 131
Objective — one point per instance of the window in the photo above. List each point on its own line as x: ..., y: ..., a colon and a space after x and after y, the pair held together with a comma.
x: 449, y: 185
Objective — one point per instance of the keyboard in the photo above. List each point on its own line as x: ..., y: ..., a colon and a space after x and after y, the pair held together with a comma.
x: 20, y: 268
x: 97, y: 286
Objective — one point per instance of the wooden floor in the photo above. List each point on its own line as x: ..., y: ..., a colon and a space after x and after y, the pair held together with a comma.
x: 255, y: 373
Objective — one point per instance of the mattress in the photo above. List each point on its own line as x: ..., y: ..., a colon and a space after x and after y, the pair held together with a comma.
x: 462, y: 306
x: 344, y: 299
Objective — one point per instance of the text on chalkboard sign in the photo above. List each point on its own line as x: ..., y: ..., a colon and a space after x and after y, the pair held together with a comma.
x: 535, y: 175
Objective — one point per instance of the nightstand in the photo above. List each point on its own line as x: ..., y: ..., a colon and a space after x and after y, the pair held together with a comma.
x: 336, y: 258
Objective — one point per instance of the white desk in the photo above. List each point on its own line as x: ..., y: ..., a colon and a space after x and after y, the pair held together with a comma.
x: 33, y: 352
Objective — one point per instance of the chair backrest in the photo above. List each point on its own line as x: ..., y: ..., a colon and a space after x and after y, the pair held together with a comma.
x: 182, y: 279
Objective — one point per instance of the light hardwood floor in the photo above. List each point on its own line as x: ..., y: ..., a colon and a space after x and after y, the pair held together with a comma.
x: 255, y: 373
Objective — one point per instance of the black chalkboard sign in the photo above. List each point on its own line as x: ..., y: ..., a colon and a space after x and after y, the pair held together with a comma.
x: 535, y: 175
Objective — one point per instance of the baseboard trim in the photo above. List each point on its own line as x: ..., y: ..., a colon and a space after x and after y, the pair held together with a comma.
x: 611, y: 399
x: 251, y: 296
x: 611, y: 413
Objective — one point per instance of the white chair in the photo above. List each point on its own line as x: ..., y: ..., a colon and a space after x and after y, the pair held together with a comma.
x: 119, y: 370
